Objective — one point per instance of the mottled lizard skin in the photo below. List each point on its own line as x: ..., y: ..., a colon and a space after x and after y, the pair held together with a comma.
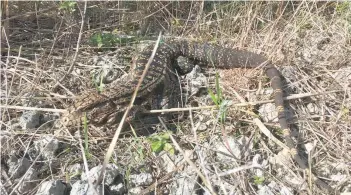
x: 103, y: 107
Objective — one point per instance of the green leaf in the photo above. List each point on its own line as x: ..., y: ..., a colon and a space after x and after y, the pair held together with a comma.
x: 258, y: 180
x: 157, y: 146
x: 223, y: 109
x: 219, y: 91
x: 164, y: 136
x: 169, y: 148
x: 213, y: 97
x: 68, y: 5
x: 159, y: 142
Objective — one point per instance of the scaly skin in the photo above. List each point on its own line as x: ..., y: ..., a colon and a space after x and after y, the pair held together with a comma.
x: 102, y: 108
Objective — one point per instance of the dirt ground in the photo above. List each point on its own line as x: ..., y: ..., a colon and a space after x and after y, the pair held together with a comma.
x: 53, y: 51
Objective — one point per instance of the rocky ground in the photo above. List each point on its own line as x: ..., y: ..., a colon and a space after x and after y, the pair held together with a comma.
x: 42, y: 71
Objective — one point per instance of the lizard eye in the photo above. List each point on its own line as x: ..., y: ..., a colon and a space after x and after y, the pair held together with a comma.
x: 68, y: 119
x: 65, y: 121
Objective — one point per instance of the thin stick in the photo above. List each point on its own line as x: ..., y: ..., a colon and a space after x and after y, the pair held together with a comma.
x: 77, y: 47
x: 291, y: 97
x: 33, y: 108
x: 30, y: 13
x: 186, y: 158
x: 119, y: 129
x: 86, y: 167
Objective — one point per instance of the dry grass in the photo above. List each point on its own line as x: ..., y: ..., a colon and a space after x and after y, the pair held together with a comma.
x: 50, y: 60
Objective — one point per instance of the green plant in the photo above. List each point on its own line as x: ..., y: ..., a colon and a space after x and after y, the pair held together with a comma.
x: 258, y: 180
x: 68, y: 6
x: 344, y: 10
x: 218, y: 99
x: 86, y: 141
x: 160, y: 142
x: 343, y: 7
x: 109, y: 40
x: 345, y: 112
x: 99, y: 85
x: 69, y: 176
